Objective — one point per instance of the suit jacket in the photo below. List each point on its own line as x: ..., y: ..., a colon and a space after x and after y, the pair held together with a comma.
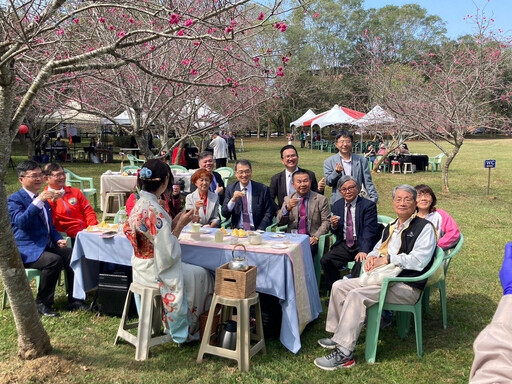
x: 278, y: 186
x: 220, y: 182
x: 212, y: 207
x: 366, y: 223
x: 263, y: 210
x: 318, y: 214
x: 360, y: 172
x: 29, y: 229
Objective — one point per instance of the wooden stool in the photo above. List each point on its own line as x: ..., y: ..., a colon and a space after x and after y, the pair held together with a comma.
x: 395, y: 164
x: 109, y: 202
x: 243, y: 352
x: 408, y: 168
x: 150, y: 321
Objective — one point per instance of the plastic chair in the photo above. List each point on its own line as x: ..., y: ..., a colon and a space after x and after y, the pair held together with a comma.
x: 134, y: 162
x: 382, y: 219
x: 435, y: 162
x: 374, y: 313
x: 384, y: 165
x: 131, y: 168
x: 224, y: 223
x: 441, y: 284
x: 72, y: 178
x: 226, y: 173
x: 31, y: 274
x: 178, y: 168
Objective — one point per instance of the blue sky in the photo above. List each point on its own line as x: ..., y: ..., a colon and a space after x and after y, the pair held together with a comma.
x: 453, y: 12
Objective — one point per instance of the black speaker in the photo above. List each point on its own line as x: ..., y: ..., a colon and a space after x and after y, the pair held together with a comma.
x: 112, y: 291
x: 76, y: 139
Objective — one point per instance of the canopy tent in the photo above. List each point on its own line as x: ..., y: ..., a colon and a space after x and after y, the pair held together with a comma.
x: 125, y: 118
x: 207, y: 116
x: 305, y: 117
x: 376, y: 116
x: 311, y: 122
x: 70, y: 113
x: 335, y: 116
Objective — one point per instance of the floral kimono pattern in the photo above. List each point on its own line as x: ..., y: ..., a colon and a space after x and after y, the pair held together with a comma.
x: 156, y: 262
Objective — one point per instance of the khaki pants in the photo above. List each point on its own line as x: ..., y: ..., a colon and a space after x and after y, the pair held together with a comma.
x: 348, y: 304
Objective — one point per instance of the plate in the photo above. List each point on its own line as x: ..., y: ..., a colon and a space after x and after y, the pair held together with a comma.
x: 95, y: 228
x: 279, y: 246
x: 108, y: 235
x: 202, y: 231
x: 278, y: 236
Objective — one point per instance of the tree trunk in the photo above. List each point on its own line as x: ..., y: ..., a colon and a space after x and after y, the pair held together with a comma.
x: 269, y: 124
x: 33, y: 341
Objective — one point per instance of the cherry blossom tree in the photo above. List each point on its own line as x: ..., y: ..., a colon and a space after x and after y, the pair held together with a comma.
x: 62, y: 44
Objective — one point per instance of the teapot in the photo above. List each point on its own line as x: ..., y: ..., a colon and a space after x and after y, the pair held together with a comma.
x: 226, y: 335
x: 239, y: 263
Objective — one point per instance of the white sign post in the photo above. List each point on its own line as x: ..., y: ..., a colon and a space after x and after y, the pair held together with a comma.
x: 489, y: 164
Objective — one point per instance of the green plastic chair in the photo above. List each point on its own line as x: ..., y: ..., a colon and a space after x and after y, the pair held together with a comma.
x: 31, y: 274
x: 134, y: 162
x: 435, y: 162
x: 382, y: 219
x: 224, y: 223
x: 440, y: 282
x: 72, y: 178
x: 131, y: 168
x: 404, y: 311
x: 226, y: 173
x: 178, y: 168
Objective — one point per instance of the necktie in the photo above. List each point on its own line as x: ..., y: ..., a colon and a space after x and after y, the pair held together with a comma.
x: 303, y: 220
x: 213, y: 185
x: 291, y: 190
x: 349, y: 238
x: 245, y: 214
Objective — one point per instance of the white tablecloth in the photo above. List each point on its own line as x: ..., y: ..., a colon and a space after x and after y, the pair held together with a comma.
x: 114, y: 182
x: 285, y: 273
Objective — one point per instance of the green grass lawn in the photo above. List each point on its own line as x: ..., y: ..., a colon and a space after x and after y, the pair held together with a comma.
x: 83, y: 342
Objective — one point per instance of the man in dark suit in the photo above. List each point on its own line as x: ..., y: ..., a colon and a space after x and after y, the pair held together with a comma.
x: 39, y: 243
x: 314, y: 220
x: 217, y: 186
x: 247, y: 202
x: 281, y: 183
x: 356, y: 231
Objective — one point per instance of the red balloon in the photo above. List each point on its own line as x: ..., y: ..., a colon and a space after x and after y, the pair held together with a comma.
x: 23, y: 129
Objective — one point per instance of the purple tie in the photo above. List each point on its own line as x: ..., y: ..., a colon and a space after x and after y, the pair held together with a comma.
x: 245, y: 214
x: 302, y: 217
x: 349, y: 238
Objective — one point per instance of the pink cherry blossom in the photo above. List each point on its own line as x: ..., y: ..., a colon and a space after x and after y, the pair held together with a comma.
x: 211, y: 30
x: 197, y: 43
x: 261, y: 16
x: 121, y: 34
x: 102, y: 20
x: 316, y: 15
x: 180, y: 32
x: 59, y: 32
x: 174, y: 19
x: 193, y: 72
x: 111, y: 27
x: 233, y: 23
x: 189, y: 23
x: 228, y: 30
x: 131, y: 20
x: 76, y: 21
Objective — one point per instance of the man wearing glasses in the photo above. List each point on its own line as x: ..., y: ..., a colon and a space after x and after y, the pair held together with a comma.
x: 247, y: 202
x: 354, y: 222
x: 347, y: 163
x: 40, y: 245
x: 72, y: 212
x: 281, y: 184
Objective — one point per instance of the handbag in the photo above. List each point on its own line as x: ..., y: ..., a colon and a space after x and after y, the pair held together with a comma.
x: 377, y: 275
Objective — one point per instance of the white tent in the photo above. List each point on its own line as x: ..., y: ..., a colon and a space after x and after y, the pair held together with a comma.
x: 125, y: 118
x: 307, y: 116
x: 335, y: 116
x: 376, y: 116
x: 70, y: 114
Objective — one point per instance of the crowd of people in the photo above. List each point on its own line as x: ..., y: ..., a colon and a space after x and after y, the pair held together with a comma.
x: 295, y: 197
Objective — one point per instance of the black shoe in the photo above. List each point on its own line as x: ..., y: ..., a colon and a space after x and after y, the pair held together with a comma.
x: 45, y: 310
x: 77, y: 305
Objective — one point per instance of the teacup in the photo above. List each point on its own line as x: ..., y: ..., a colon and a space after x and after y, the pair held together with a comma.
x: 255, y: 239
x: 195, y: 227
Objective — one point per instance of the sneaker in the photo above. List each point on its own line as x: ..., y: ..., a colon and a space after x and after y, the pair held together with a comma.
x: 334, y: 360
x: 327, y: 343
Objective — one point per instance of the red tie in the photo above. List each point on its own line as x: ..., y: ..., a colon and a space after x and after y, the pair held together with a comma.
x: 245, y: 214
x: 302, y: 217
x: 349, y: 238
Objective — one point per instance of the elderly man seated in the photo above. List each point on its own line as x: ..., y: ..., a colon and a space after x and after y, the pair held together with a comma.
x: 410, y: 243
x: 305, y: 210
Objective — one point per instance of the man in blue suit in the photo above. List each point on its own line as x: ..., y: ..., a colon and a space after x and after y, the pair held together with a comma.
x: 346, y: 163
x: 356, y: 231
x: 247, y: 202
x: 40, y: 245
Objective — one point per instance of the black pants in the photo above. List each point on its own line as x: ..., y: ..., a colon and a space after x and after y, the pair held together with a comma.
x: 336, y: 259
x: 51, y: 262
x: 220, y: 162
x: 232, y: 152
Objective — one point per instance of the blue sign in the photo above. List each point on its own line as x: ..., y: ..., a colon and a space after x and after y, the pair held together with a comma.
x: 489, y: 163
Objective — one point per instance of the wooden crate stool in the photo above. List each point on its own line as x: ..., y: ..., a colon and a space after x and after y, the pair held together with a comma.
x: 408, y: 168
x: 243, y: 351
x: 395, y: 167
x: 109, y: 203
x: 149, y: 324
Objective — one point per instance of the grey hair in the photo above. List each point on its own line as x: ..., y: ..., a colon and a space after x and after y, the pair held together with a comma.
x: 406, y: 188
x: 344, y: 179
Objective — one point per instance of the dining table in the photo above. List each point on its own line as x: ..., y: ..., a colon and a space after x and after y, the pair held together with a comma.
x: 418, y: 160
x: 284, y: 262
x: 116, y: 182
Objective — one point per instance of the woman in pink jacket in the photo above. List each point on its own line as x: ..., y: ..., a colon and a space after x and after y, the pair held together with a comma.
x: 447, y: 229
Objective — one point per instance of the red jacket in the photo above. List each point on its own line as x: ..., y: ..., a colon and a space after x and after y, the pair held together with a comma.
x: 73, y: 212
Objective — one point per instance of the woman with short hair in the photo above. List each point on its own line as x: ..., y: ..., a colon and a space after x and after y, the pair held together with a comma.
x: 203, y: 202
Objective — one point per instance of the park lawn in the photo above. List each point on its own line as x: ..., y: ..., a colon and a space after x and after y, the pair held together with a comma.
x: 83, y: 342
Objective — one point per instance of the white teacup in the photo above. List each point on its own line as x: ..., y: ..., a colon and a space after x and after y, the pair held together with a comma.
x: 255, y: 239
x: 195, y: 227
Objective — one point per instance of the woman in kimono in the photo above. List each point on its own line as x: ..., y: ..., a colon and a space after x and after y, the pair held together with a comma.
x: 156, y: 259
x: 203, y: 202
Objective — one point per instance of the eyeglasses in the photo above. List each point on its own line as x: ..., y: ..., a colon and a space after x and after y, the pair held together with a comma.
x: 351, y: 188
x: 58, y: 174
x: 36, y: 176
x: 290, y: 157
x: 246, y: 172
x: 341, y: 142
x: 406, y: 200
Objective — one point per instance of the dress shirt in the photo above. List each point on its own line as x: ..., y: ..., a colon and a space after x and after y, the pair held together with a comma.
x: 347, y: 165
x: 39, y: 204
x: 421, y: 254
x: 286, y: 212
x: 289, y: 180
x: 248, y: 195
x: 353, y: 211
